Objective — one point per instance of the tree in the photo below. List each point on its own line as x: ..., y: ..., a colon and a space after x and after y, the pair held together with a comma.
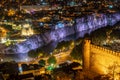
x: 51, y: 60
x: 42, y: 62
x: 33, y: 54
x: 115, y: 34
x: 63, y: 44
x: 98, y: 37
x: 78, y: 41
x: 77, y: 52
x: 36, y: 53
x: 24, y: 67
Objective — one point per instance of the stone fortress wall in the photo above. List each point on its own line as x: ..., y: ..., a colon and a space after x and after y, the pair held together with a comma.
x: 99, y: 59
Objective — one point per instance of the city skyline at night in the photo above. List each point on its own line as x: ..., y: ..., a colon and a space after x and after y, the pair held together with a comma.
x: 59, y: 40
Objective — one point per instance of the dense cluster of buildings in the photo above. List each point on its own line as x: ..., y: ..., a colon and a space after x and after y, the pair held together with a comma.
x: 21, y: 19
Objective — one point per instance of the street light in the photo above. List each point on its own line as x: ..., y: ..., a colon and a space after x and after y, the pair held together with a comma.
x: 50, y: 53
x: 26, y: 59
x: 20, y: 69
x: 1, y: 60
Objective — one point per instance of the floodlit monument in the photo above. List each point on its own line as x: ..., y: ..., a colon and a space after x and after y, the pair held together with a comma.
x: 101, y: 60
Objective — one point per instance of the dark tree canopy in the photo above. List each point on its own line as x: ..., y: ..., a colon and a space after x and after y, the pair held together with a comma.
x: 42, y: 62
x: 32, y: 54
x: 63, y: 44
x: 51, y: 60
x: 77, y: 52
x: 115, y: 34
x: 99, y: 36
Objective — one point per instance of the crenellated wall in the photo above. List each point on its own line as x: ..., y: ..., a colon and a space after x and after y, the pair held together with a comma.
x: 104, y: 50
x: 100, y: 59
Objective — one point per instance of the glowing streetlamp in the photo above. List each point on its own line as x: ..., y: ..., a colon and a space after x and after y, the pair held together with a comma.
x: 1, y: 60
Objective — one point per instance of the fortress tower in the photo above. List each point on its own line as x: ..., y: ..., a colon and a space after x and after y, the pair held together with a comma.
x: 86, y: 55
x: 100, y: 61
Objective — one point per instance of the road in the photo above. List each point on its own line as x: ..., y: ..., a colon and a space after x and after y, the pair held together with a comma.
x: 61, y: 58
